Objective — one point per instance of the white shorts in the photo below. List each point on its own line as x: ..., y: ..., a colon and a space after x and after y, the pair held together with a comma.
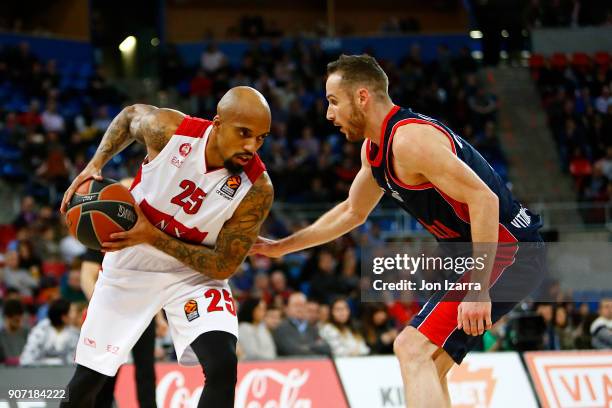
x: 124, y: 303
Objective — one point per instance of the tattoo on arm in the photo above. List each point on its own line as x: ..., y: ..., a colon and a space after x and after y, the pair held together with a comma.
x: 235, y: 238
x: 119, y: 135
x: 144, y: 123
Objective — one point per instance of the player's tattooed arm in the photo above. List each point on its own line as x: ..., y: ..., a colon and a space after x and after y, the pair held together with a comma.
x: 235, y: 238
x: 144, y: 123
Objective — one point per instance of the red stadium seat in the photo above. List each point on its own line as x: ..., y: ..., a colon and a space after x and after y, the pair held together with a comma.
x: 53, y: 269
x: 559, y: 60
x: 536, y: 61
x: 602, y: 58
x: 580, y: 60
x: 7, y: 234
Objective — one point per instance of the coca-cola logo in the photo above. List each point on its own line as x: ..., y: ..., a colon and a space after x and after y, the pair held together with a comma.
x: 261, y: 384
x: 254, y: 391
x: 171, y: 392
x: 259, y: 388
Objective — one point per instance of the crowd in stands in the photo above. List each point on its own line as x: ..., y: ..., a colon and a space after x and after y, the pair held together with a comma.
x: 567, y: 13
x: 576, y: 94
x: 52, y: 118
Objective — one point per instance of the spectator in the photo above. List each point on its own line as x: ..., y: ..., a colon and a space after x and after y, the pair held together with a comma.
x: 601, y: 328
x: 604, y: 100
x: 17, y: 277
x: 295, y: 336
x: 483, y: 107
x: 70, y: 283
x: 213, y: 59
x: 27, y: 214
x: 28, y: 260
x: 256, y: 341
x: 606, y: 164
x: 340, y: 333
x: 273, y: 318
x: 563, y: 329
x: 52, y: 341
x: 279, y: 291
x: 324, y: 282
x: 13, y: 335
x: 313, y: 313
x: 378, y: 329
x: 52, y: 121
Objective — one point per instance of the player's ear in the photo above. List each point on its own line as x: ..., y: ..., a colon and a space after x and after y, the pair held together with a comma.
x: 216, y: 121
x: 363, y: 95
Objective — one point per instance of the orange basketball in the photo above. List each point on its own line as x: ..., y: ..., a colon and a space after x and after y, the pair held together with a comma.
x: 98, y: 209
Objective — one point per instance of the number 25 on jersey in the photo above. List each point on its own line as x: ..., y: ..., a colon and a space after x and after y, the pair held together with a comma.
x: 191, y: 198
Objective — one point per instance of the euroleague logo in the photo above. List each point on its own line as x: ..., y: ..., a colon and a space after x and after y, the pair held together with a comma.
x: 191, y: 310
x: 185, y: 149
x: 230, y: 186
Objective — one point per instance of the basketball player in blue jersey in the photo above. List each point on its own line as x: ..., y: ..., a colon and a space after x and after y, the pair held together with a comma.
x: 441, y: 180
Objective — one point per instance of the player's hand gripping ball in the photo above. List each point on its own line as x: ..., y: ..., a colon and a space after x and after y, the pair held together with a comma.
x: 98, y: 209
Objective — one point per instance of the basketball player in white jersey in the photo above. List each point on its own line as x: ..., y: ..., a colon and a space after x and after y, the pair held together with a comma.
x: 202, y: 196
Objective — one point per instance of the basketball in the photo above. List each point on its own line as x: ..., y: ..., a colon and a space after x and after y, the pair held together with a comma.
x: 98, y: 209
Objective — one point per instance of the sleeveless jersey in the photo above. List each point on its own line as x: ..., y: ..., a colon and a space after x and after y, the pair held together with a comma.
x: 182, y: 197
x: 447, y: 219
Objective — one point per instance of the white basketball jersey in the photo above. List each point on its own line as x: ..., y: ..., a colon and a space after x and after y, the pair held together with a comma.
x: 183, y: 198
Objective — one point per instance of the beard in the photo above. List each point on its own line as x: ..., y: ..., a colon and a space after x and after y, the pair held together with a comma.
x: 355, y: 128
x: 232, y: 167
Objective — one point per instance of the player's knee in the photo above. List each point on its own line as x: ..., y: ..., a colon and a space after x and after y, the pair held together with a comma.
x: 221, y: 369
x: 412, y: 347
x: 216, y: 352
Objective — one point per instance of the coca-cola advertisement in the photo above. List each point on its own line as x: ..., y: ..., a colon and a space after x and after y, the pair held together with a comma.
x: 261, y: 384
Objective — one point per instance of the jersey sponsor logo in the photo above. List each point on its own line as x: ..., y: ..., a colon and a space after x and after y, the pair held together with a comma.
x: 440, y: 230
x: 176, y: 162
x: 191, y: 310
x: 230, y: 186
x: 522, y: 219
x: 185, y: 149
x: 89, y: 342
x: 112, y: 349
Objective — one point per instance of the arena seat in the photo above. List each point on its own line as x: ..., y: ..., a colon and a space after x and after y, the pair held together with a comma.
x: 53, y: 269
x: 581, y: 61
x: 559, y: 61
x: 602, y: 58
x: 7, y: 234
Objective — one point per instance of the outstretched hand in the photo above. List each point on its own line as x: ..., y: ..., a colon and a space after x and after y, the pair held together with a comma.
x: 267, y: 247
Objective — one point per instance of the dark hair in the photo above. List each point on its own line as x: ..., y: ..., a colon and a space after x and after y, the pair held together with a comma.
x: 13, y: 307
x: 247, y: 308
x: 369, y: 328
x: 350, y: 324
x: 58, y: 309
x: 361, y: 70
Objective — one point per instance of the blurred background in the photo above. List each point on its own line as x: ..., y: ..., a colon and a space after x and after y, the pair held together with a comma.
x: 527, y: 82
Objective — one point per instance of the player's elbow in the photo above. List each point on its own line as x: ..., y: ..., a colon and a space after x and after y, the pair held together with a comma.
x: 355, y: 216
